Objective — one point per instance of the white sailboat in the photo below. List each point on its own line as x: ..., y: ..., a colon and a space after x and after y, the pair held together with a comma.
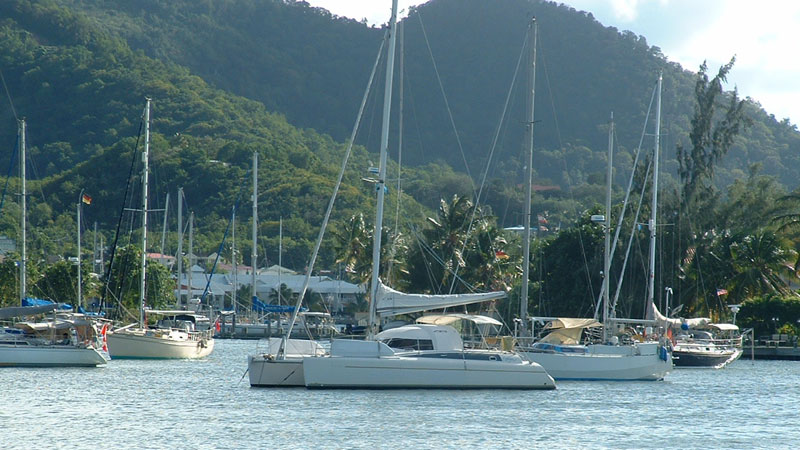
x: 564, y: 352
x: 281, y: 365
x: 421, y: 355
x: 699, y: 344
x: 176, y: 338
x: 65, y: 340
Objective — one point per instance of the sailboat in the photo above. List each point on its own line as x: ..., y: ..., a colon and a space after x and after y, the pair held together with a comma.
x: 62, y: 340
x: 699, y: 344
x: 177, y: 336
x: 420, y: 355
x: 565, y: 353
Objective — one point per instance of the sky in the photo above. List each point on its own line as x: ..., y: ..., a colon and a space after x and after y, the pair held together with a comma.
x: 763, y: 35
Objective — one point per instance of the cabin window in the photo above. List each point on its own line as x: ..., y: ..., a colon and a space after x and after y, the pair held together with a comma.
x: 409, y: 344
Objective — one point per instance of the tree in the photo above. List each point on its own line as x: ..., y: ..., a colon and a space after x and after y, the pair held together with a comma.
x: 281, y: 296
x: 711, y: 136
x: 9, y: 284
x: 124, y: 282
x: 759, y: 261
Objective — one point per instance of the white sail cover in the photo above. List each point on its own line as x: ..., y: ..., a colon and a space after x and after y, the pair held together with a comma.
x: 392, y: 303
x: 676, y: 323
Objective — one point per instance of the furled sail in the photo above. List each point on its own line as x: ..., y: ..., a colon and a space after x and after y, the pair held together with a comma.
x: 392, y: 303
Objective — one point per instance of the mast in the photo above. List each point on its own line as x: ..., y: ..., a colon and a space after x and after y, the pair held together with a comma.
x: 654, y: 208
x: 233, y: 260
x: 179, y: 253
x: 280, y: 256
x: 381, y: 183
x: 23, y: 291
x: 191, y: 257
x: 607, y: 234
x: 145, y: 174
x: 254, y: 258
x: 79, y: 208
x: 526, y: 239
x: 163, y: 257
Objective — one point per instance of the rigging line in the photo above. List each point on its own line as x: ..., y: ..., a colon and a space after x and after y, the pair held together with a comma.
x: 630, y: 240
x: 317, y: 245
x: 491, y: 152
x: 446, y: 103
x: 420, y: 141
x: 425, y: 246
x: 225, y: 236
x: 119, y: 221
x: 8, y: 175
x: 8, y: 95
x: 628, y: 193
x: 567, y: 173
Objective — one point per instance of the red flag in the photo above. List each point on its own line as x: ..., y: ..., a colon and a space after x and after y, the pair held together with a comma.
x: 103, y: 333
x: 86, y: 199
x: 217, y: 326
x: 501, y: 254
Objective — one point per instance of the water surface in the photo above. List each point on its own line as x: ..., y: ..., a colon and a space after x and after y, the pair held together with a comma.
x: 208, y: 404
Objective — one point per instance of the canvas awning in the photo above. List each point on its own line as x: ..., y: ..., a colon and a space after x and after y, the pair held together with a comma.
x: 447, y: 319
x: 724, y: 326
x: 566, y: 322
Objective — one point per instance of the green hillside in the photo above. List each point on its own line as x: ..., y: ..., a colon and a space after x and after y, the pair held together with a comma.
x: 308, y: 65
x: 82, y: 94
x: 278, y: 77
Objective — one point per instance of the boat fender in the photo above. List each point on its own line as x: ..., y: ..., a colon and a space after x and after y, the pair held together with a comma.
x: 201, y: 343
x: 662, y: 353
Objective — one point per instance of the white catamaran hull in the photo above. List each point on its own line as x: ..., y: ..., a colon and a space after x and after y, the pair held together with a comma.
x: 50, y: 356
x: 152, y: 344
x: 267, y: 370
x: 647, y: 361
x: 357, y: 368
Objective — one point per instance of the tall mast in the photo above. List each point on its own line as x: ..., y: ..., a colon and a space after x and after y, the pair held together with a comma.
x: 23, y: 291
x: 163, y: 257
x: 381, y: 184
x: 654, y: 207
x: 254, y: 257
x: 526, y: 238
x: 607, y: 233
x: 191, y: 257
x: 179, y: 254
x: 80, y: 294
x: 280, y: 257
x: 145, y: 175
x: 233, y: 260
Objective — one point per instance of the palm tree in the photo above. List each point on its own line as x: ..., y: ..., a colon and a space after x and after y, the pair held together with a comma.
x: 353, y: 247
x: 282, y: 295
x: 760, y: 264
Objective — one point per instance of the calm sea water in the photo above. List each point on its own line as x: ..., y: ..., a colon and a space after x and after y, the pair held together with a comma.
x: 207, y: 404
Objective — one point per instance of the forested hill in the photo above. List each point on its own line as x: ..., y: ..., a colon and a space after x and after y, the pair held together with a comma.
x: 229, y: 77
x: 82, y: 91
x: 309, y: 65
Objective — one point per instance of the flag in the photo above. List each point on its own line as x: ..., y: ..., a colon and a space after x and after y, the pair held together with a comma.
x: 86, y: 199
x: 103, y: 333
x: 721, y: 292
x: 501, y: 254
x: 217, y: 325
